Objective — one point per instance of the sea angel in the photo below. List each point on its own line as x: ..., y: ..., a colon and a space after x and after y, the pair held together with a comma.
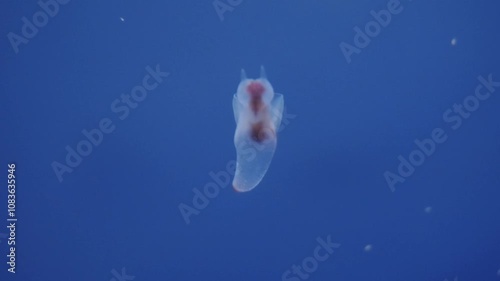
x: 257, y: 111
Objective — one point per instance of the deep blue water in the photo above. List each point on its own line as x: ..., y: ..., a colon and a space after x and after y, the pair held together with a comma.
x: 324, y: 211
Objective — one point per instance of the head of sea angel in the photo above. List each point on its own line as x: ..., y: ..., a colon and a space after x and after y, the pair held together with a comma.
x: 255, y: 89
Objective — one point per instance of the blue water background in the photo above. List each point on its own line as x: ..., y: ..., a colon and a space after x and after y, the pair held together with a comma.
x: 120, y: 207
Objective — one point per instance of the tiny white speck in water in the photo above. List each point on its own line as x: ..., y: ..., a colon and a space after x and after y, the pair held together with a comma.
x: 122, y: 19
x: 453, y: 41
x: 368, y: 247
x: 428, y: 209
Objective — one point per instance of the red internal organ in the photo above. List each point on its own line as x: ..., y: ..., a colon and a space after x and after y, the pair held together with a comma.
x: 255, y: 89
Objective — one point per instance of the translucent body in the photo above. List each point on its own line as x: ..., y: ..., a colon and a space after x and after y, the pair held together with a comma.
x: 257, y: 111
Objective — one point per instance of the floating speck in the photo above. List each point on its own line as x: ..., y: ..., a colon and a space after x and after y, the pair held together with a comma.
x: 498, y: 272
x: 428, y: 209
x: 122, y: 19
x: 453, y: 41
x: 368, y: 247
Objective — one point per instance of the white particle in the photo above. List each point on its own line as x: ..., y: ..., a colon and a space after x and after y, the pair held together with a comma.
x: 122, y: 19
x: 368, y: 247
x: 453, y: 41
x: 428, y: 209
